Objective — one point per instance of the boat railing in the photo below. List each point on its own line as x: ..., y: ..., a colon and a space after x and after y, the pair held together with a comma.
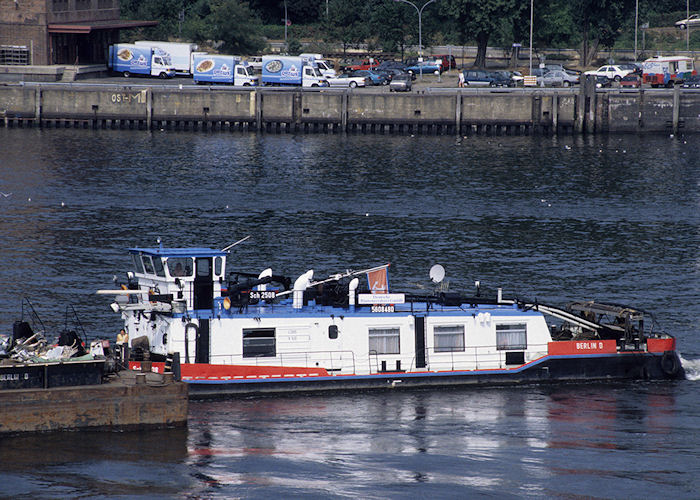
x: 476, y: 357
x: 333, y: 361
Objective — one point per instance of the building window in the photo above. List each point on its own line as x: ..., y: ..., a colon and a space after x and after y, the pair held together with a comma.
x: 511, y: 337
x: 448, y: 338
x: 82, y: 4
x: 259, y: 343
x: 104, y: 4
x: 384, y: 341
x: 59, y: 5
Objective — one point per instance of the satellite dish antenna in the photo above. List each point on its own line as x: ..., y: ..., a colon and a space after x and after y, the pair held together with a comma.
x: 437, y: 273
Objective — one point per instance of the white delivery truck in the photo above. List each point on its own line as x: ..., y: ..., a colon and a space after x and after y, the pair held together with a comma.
x: 129, y: 59
x: 215, y: 68
x: 181, y: 54
x: 324, y: 65
x: 291, y: 71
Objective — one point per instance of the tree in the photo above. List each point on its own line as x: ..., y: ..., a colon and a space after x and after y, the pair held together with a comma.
x: 599, y: 22
x: 395, y: 25
x: 346, y: 22
x: 234, y: 24
x: 479, y: 19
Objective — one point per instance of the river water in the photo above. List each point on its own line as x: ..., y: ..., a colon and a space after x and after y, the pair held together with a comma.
x: 610, y: 218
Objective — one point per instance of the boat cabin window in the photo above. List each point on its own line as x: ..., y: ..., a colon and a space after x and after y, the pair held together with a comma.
x: 384, y: 341
x: 332, y: 332
x: 203, y: 267
x: 158, y: 265
x: 217, y: 265
x: 137, y: 263
x: 449, y: 338
x: 510, y: 337
x: 259, y: 343
x: 180, y: 266
x: 148, y: 264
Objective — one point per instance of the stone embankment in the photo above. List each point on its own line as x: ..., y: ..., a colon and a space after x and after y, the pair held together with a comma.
x: 426, y: 111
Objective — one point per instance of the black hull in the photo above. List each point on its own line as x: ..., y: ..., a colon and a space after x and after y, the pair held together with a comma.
x: 552, y: 369
x: 47, y: 375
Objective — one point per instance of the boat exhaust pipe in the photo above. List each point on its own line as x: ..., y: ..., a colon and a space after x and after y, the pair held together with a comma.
x: 300, y: 286
x: 352, y: 287
x: 267, y: 273
x: 500, y: 295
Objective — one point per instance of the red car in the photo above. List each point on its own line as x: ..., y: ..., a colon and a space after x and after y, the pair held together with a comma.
x: 365, y: 64
x: 632, y: 80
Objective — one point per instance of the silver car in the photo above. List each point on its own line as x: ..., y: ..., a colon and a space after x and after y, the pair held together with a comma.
x: 401, y: 83
x: 691, y: 22
x: 557, y: 78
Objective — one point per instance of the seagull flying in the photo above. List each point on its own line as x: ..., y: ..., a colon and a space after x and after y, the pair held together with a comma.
x: 5, y: 194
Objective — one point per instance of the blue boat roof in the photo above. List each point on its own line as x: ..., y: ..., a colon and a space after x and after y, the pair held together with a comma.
x: 179, y: 252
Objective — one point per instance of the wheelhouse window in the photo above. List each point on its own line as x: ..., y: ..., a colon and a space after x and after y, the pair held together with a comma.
x: 138, y: 265
x: 218, y: 263
x: 259, y: 343
x: 384, y: 341
x: 448, y: 338
x: 203, y: 267
x: 179, y: 266
x: 511, y: 337
x: 158, y: 266
x: 148, y: 264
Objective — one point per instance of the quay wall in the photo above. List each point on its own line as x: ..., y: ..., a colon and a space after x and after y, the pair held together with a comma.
x: 436, y: 111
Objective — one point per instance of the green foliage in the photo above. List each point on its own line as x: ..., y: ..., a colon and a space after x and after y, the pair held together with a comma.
x: 482, y: 18
x: 391, y: 26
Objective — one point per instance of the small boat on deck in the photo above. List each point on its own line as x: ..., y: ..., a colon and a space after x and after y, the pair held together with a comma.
x: 256, y: 333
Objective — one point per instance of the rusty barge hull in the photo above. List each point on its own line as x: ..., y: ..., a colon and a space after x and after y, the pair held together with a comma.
x: 131, y: 401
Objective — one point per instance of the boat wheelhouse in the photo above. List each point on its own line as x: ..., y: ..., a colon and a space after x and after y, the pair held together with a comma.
x: 260, y: 332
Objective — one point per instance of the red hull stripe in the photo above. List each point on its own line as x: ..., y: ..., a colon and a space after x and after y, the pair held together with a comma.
x: 582, y: 347
x: 194, y: 371
x: 661, y: 345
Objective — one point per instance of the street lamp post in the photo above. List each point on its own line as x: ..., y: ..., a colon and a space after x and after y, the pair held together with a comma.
x: 286, y: 22
x: 531, y: 19
x: 420, y: 31
x: 636, y: 24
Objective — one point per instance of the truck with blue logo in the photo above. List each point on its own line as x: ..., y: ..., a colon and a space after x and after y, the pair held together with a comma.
x: 214, y: 68
x: 130, y: 59
x: 291, y: 71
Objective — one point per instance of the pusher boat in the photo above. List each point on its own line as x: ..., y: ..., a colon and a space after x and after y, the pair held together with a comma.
x: 253, y: 333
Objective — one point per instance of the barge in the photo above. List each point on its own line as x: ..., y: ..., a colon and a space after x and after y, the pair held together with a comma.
x: 239, y: 332
x: 64, y: 387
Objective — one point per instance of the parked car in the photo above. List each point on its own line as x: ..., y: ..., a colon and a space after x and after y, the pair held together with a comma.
x: 374, y: 77
x: 632, y: 67
x: 633, y: 80
x: 612, y: 72
x: 557, y: 78
x: 401, y: 83
x: 689, y: 22
x: 478, y: 78
x: 364, y: 64
x: 502, y: 78
x: 692, y: 83
x: 387, y: 65
x: 602, y: 81
x: 346, y: 80
x: 426, y: 67
x: 554, y: 66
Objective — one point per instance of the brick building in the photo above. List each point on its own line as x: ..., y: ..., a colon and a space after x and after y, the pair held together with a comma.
x: 45, y: 32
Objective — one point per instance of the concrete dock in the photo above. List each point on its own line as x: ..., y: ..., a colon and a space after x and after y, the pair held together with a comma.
x: 129, y: 400
x: 430, y: 111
